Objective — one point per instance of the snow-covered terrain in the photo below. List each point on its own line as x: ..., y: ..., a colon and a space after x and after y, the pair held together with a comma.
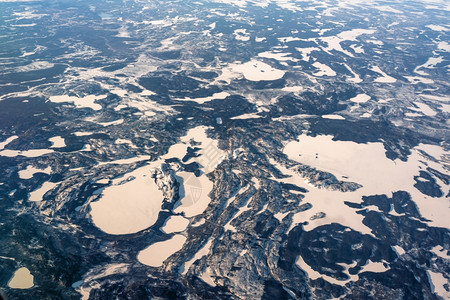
x: 218, y: 149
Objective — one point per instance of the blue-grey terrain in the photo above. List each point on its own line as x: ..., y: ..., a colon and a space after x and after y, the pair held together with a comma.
x: 220, y: 149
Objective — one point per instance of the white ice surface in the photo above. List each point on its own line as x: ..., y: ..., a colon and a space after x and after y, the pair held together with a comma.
x: 29, y: 171
x: 444, y: 46
x: 365, y: 164
x: 126, y: 160
x: 200, y: 253
x: 115, y: 122
x: 195, y: 190
x: 429, y: 64
x: 195, y: 197
x: 84, y: 102
x: 425, y: 109
x: 334, y: 42
x: 312, y: 274
x: 358, y: 49
x: 57, y: 142
x: 384, y: 77
x: 241, y: 35
x: 7, y: 141
x: 306, y: 52
x: 376, y: 267
x: 206, y: 277
x: 324, y: 70
x: 22, y: 279
x: 360, y: 98
x: 157, y: 253
x: 437, y: 27
x: 293, y: 89
x: 38, y: 194
x: 418, y: 79
x: 356, y: 78
x: 81, y: 133
x: 246, y: 116
x: 399, y: 250
x: 175, y: 224
x: 220, y: 96
x: 93, y: 276
x: 441, y: 252
x: 280, y: 56
x: 34, y: 66
x: 333, y: 117
x: 26, y: 153
x: 129, y: 207
x: 438, y: 281
x: 255, y: 70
